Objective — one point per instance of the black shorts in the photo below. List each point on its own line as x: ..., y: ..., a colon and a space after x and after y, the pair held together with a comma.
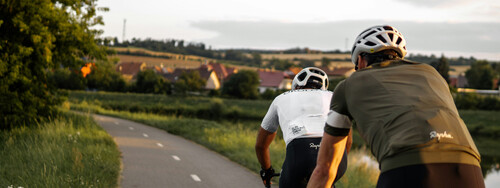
x: 300, y: 161
x: 433, y: 175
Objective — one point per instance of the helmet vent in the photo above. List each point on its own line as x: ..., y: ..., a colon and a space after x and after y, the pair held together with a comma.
x: 399, y: 40
x: 365, y: 31
x: 390, y: 36
x: 369, y: 43
x: 317, y: 72
x: 370, y: 33
x: 302, y: 76
x: 388, y: 28
x: 381, y: 38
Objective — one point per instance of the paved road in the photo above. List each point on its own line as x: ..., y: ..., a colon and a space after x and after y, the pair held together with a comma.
x: 154, y: 158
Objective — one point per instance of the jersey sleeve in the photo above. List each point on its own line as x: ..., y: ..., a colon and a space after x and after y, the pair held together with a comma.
x: 271, y: 120
x: 338, y: 102
x: 338, y: 122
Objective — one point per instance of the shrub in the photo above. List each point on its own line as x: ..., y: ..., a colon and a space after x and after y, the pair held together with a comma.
x: 472, y: 101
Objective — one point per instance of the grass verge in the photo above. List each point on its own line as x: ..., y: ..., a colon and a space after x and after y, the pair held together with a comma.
x: 70, y: 151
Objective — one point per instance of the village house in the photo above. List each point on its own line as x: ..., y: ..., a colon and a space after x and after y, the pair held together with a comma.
x: 274, y: 80
x: 206, y: 73
x: 338, y: 72
x: 222, y: 72
x: 458, y: 81
x: 129, y: 69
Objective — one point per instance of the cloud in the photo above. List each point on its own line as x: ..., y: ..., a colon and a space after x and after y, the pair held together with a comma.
x: 438, y: 3
x: 420, y: 36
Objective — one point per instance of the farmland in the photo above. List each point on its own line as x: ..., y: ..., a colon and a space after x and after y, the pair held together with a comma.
x: 337, y: 57
x: 157, y: 61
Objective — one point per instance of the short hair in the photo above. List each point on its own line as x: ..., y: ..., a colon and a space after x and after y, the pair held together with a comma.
x: 381, y: 56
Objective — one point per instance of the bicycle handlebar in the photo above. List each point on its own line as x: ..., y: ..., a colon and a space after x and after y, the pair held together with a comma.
x: 268, y: 184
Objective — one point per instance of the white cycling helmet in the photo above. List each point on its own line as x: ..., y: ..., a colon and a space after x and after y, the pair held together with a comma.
x: 311, y: 75
x: 376, y: 39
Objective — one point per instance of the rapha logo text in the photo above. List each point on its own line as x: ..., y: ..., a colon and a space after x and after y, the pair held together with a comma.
x: 435, y: 134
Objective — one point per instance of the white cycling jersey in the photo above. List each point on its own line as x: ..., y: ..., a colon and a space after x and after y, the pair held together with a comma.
x: 300, y: 113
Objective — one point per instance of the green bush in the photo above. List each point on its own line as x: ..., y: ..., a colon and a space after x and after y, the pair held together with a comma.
x: 150, y: 82
x: 242, y: 85
x: 472, y: 101
x: 269, y: 94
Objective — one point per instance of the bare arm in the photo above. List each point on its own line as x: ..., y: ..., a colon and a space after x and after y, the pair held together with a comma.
x: 264, y: 139
x: 329, y: 157
x: 349, y: 142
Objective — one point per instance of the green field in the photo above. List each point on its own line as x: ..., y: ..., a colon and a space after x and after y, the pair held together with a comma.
x: 69, y: 151
x: 237, y: 121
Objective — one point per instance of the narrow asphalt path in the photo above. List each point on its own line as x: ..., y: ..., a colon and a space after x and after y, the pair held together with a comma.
x: 154, y: 158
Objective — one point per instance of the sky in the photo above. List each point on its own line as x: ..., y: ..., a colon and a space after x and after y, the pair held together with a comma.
x: 450, y: 27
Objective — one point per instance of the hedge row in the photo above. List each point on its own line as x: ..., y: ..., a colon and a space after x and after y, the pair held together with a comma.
x: 471, y: 101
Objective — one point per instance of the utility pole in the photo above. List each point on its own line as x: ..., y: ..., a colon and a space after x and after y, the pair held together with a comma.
x: 123, y: 36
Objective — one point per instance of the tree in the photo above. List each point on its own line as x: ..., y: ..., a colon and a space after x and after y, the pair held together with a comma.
x: 280, y: 64
x: 480, y: 75
x: 443, y: 67
x: 36, y: 36
x: 104, y: 77
x: 150, y: 82
x: 189, y: 81
x: 325, y: 62
x: 243, y: 85
x: 257, y: 59
x: 64, y: 78
x: 234, y: 55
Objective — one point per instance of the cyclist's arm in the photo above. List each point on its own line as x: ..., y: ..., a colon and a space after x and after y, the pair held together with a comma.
x: 349, y: 142
x: 266, y: 135
x: 329, y: 157
x: 264, y: 139
x: 333, y: 144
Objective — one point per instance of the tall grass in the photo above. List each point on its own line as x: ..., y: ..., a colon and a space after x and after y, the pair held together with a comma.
x: 70, y: 151
x: 236, y: 140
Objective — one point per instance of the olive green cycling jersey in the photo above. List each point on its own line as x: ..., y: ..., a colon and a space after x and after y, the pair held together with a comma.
x: 405, y: 112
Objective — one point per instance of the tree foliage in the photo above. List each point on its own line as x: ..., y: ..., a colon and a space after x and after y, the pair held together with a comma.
x: 36, y: 36
x: 281, y: 64
x: 325, y: 62
x: 170, y: 45
x: 64, y: 78
x: 480, y: 75
x: 243, y: 85
x: 443, y: 67
x: 189, y: 81
x: 104, y: 77
x: 150, y: 82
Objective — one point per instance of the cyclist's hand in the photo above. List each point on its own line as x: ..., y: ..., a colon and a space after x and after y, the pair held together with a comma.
x: 266, y: 176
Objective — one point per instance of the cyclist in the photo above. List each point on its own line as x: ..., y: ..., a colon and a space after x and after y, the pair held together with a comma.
x: 405, y: 113
x: 301, y: 113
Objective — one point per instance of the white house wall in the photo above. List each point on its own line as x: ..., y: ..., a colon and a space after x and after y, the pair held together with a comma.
x: 212, y: 82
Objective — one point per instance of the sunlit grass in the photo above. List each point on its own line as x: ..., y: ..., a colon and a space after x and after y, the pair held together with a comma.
x: 70, y: 151
x: 362, y: 170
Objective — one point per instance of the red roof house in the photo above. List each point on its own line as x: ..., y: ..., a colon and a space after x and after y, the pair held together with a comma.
x: 130, y: 69
x: 273, y: 80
